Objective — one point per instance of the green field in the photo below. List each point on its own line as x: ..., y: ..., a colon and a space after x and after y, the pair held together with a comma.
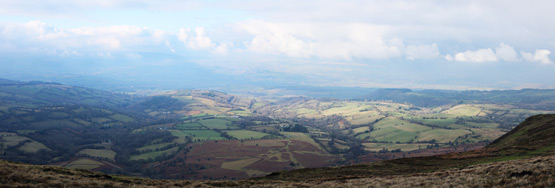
x: 216, y: 123
x: 11, y: 139
x: 246, y: 134
x: 375, y: 147
x: 153, y: 147
x: 307, y: 112
x: 153, y: 155
x: 26, y: 131
x: 82, y: 122
x: 100, y: 153
x: 392, y: 129
x: 54, y: 123
x: 122, y: 118
x: 437, y: 122
x: 101, y: 120
x: 87, y: 164
x: 26, y: 90
x: 194, y: 125
x: 482, y: 125
x: 488, y: 133
x: 361, y: 129
x: 343, y: 108
x: 442, y: 135
x: 364, y: 118
x: 464, y: 110
x: 196, y: 135
x: 181, y: 137
x: 58, y: 115
x: 33, y: 147
x: 242, y: 112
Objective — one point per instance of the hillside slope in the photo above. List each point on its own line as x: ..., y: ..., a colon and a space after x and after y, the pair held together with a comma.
x: 532, y: 172
x: 488, y: 167
x: 536, y: 132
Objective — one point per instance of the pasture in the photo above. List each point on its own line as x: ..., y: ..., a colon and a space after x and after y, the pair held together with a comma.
x: 375, y: 147
x: 122, y: 118
x: 216, y: 123
x: 98, y: 153
x: 392, y: 129
x: 201, y: 135
x: 464, y: 110
x: 154, y: 154
x: 193, y: 126
x: 246, y: 134
x: 441, y: 135
x: 33, y: 147
x: 84, y: 163
x: 153, y: 147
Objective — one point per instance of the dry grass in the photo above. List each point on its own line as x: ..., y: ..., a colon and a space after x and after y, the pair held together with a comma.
x: 532, y: 172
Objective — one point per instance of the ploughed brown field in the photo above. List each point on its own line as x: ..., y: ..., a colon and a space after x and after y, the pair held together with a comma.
x: 235, y: 159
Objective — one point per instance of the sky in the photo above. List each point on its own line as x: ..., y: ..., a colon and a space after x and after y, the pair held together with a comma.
x: 496, y: 44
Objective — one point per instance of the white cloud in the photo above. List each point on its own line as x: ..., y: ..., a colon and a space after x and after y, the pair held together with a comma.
x: 503, y: 52
x: 197, y: 41
x: 38, y: 36
x: 200, y: 41
x: 478, y: 56
x: 323, y: 40
x: 111, y: 43
x: 541, y: 56
x: 506, y: 52
x: 424, y: 51
x: 182, y: 35
x: 275, y: 38
x: 222, y: 49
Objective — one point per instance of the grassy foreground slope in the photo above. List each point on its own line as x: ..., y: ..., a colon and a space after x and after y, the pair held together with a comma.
x: 531, y: 172
x: 488, y: 167
x: 535, y: 133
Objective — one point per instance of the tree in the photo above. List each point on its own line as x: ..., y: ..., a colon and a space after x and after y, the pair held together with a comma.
x: 296, y: 128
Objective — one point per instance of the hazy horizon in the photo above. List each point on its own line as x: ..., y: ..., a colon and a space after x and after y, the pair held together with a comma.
x: 211, y: 44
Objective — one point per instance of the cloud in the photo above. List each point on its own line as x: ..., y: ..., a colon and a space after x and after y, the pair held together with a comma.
x: 182, y: 35
x: 222, y: 49
x: 197, y: 41
x: 275, y: 38
x: 200, y: 41
x: 506, y: 52
x: 413, y: 52
x: 503, y: 52
x: 478, y: 56
x: 37, y: 36
x: 322, y: 40
x: 541, y: 56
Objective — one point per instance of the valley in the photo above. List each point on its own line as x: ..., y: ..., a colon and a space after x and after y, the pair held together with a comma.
x: 524, y: 157
x: 200, y: 134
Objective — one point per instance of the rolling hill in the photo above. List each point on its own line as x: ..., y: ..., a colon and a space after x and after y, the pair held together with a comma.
x: 206, y: 134
x: 507, y: 162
